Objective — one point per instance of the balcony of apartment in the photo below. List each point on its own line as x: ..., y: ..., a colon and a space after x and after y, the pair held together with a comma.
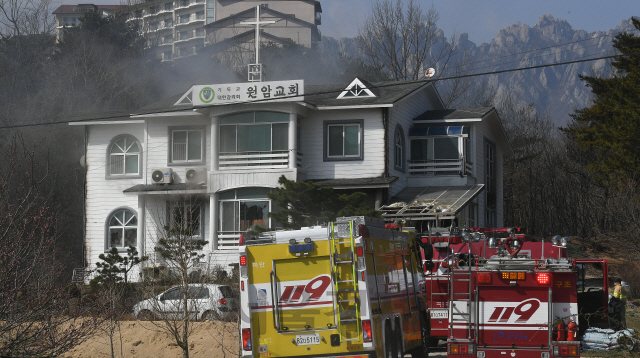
x: 190, y: 20
x: 187, y: 4
x: 440, y: 167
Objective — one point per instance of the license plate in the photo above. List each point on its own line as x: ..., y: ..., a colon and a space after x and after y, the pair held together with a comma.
x: 439, y: 313
x: 307, y: 339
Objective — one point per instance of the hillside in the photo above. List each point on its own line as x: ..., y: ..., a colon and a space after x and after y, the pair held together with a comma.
x: 557, y: 89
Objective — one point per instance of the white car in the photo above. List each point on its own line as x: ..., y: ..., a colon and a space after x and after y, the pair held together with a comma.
x: 204, y: 302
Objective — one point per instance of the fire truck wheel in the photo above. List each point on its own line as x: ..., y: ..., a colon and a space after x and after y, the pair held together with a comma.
x: 398, y: 340
x: 423, y: 350
x: 389, y: 344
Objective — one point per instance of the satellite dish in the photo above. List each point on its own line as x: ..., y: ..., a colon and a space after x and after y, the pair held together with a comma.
x: 430, y: 72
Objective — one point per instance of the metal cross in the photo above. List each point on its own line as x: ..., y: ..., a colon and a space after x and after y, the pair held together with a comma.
x: 257, y: 22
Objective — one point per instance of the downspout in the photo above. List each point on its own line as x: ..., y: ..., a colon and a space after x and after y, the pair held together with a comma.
x: 385, y: 124
x: 384, y: 193
x: 84, y: 207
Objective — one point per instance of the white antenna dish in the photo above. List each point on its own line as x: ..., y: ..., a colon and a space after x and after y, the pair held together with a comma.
x: 430, y: 72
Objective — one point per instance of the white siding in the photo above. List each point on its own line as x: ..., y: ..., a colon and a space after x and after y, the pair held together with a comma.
x: 403, y: 113
x: 313, y: 146
x: 481, y: 133
x: 104, y: 196
x: 158, y: 150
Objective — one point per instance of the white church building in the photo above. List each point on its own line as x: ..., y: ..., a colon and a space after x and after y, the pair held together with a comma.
x: 213, y: 153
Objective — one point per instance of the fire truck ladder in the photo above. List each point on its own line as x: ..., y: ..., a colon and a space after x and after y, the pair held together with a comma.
x: 456, y: 314
x: 343, y: 264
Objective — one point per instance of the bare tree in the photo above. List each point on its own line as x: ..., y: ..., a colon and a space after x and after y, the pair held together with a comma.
x: 25, y: 17
x: 33, y: 297
x: 404, y: 40
x: 178, y: 245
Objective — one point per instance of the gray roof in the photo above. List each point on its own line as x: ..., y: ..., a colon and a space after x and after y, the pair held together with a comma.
x: 464, y: 113
x: 386, y: 93
x: 376, y: 182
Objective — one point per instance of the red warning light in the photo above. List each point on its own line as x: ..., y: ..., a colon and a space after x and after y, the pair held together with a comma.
x: 543, y: 278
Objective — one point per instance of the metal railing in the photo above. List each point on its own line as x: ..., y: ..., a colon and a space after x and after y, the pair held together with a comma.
x: 440, y: 167
x: 229, y: 240
x: 278, y: 159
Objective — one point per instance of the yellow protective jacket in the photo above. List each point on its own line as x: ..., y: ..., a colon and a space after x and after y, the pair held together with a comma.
x: 620, y: 293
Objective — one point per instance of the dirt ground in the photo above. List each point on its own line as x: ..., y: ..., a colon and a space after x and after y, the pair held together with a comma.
x: 143, y: 339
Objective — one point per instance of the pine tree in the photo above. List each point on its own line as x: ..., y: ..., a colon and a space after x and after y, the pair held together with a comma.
x: 308, y: 204
x: 610, y: 127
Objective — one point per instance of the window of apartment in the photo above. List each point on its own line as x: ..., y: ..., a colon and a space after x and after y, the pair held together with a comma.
x: 187, y: 145
x: 200, y: 32
x: 211, y: 11
x: 122, y: 229
x: 184, y: 3
x: 399, y: 161
x: 199, y: 1
x: 168, y: 22
x: 167, y: 55
x: 490, y: 183
x: 184, y: 18
x: 167, y: 39
x: 153, y: 26
x: 185, y: 218
x: 124, y: 157
x: 183, y: 35
x: 254, y: 132
x: 153, y: 10
x: 438, y: 143
x: 168, y: 6
x: 242, y: 209
x: 343, y: 140
x: 200, y: 15
x: 70, y: 21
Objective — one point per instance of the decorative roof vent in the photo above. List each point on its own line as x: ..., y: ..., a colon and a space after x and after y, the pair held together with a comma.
x: 357, y: 89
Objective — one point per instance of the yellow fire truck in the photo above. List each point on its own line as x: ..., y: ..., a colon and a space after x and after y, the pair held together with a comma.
x: 348, y: 289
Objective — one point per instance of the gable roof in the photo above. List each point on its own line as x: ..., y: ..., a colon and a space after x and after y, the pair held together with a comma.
x: 236, y: 18
x: 246, y: 36
x: 326, y: 96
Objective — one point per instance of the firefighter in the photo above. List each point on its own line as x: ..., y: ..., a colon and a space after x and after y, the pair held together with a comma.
x: 618, y: 303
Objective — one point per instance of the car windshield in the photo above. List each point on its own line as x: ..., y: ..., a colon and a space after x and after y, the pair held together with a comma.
x: 226, y: 291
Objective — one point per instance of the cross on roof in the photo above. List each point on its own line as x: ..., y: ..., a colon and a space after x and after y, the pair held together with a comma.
x: 257, y: 22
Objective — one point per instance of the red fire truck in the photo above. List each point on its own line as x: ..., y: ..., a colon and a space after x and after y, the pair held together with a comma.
x: 497, y: 293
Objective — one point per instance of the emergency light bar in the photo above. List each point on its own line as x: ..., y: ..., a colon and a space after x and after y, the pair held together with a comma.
x: 519, y: 276
x: 302, y: 248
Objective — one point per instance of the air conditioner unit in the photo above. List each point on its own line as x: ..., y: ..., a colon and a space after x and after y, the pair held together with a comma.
x: 196, y: 175
x: 161, y: 176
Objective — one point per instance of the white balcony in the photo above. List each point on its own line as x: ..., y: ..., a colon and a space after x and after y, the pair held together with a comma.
x: 440, y: 167
x: 229, y: 240
x: 278, y: 159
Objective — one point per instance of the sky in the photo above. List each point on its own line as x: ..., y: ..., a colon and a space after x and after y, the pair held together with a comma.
x: 482, y: 19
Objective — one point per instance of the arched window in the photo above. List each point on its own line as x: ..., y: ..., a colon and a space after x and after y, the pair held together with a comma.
x: 122, y: 229
x: 124, y: 157
x: 399, y: 161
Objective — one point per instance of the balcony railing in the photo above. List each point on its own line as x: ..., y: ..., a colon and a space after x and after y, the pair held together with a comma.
x: 440, y: 167
x: 229, y: 240
x: 278, y: 159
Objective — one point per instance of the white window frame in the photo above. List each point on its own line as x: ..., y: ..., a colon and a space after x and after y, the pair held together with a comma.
x: 123, y: 226
x: 127, y: 139
x: 187, y: 161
